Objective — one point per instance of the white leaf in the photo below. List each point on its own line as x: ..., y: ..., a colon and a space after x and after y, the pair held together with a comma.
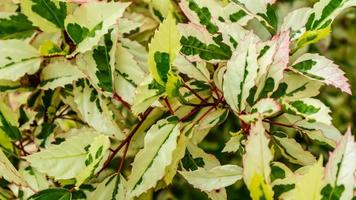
x: 213, y: 179
x: 17, y: 58
x: 112, y: 187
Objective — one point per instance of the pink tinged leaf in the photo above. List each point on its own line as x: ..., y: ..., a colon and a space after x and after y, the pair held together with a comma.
x: 271, y: 1
x: 341, y: 166
x: 327, y: 71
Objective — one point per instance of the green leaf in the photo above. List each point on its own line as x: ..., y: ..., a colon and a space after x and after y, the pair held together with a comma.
x: 17, y: 58
x: 150, y: 162
x: 53, y: 193
x: 48, y: 15
x: 87, y: 33
x: 15, y: 26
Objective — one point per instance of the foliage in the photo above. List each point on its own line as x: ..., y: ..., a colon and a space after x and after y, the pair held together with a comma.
x: 165, y: 99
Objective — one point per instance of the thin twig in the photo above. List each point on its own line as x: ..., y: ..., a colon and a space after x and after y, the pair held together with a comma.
x: 127, y: 139
x: 195, y: 93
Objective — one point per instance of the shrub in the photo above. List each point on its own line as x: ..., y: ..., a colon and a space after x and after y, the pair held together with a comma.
x: 116, y: 100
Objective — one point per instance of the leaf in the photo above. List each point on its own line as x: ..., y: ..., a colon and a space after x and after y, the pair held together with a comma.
x: 197, y: 44
x: 198, y: 71
x: 128, y: 74
x: 256, y: 162
x: 49, y: 48
x: 147, y: 94
x: 262, y: 10
x: 213, y: 179
x: 236, y: 14
x: 53, y: 193
x: 70, y: 158
x: 295, y: 86
x: 59, y: 74
x: 94, y: 159
x: 241, y: 73
x: 273, y: 59
x: 99, y: 63
x: 202, y: 12
x: 15, y: 26
x: 293, y: 151
x: 340, y: 169
x: 303, y: 188
x: 8, y: 86
x: 87, y: 33
x: 163, y: 50
x: 263, y: 108
x: 17, y: 58
x: 8, y: 122
x: 94, y: 110
x: 9, y: 172
x: 35, y: 180
x: 113, y: 187
x: 48, y: 15
x: 313, y: 110
x: 151, y: 161
x: 321, y: 69
x: 234, y: 143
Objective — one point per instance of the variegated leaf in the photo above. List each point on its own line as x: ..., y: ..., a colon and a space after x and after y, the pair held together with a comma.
x: 47, y: 15
x: 9, y: 172
x: 113, y: 187
x: 163, y: 50
x: 256, y: 163
x: 128, y: 74
x: 313, y: 110
x: 77, y: 157
x: 263, y: 108
x: 340, y: 170
x: 17, y: 58
x: 59, y: 74
x: 319, y: 68
x: 293, y: 151
x: 213, y: 179
x: 94, y: 110
x: 15, y: 26
x: 99, y: 64
x: 241, y: 73
x: 87, y: 33
x: 273, y: 58
x: 150, y: 162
